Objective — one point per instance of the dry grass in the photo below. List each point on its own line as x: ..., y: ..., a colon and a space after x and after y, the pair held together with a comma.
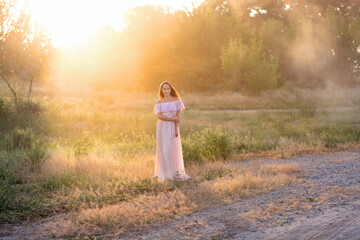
x: 214, y: 183
x: 296, y: 150
x: 227, y: 182
x: 115, y: 134
x: 246, y: 182
x: 297, y: 204
x: 113, y: 219
x: 132, y: 215
x: 347, y: 159
x: 136, y: 167
x: 140, y: 166
x: 209, y: 170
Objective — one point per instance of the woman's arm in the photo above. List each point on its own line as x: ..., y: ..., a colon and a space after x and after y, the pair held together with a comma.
x: 165, y: 118
x: 177, y: 123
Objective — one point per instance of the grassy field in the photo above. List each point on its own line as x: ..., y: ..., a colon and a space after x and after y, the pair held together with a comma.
x: 93, y: 153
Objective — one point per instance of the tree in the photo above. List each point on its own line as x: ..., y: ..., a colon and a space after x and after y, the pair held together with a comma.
x: 24, y: 48
x: 248, y: 67
x: 5, y: 48
x: 37, y: 55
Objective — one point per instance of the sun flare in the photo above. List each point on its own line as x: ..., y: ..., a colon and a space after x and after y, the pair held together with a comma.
x: 71, y: 22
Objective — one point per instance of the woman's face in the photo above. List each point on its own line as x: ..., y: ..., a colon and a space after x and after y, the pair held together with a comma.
x: 166, y: 90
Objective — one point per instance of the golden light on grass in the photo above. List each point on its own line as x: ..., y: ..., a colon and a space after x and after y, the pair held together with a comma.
x: 107, y: 166
x: 205, y: 190
x: 142, y: 210
x: 245, y: 182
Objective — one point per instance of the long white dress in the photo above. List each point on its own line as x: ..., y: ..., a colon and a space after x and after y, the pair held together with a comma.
x: 169, y: 159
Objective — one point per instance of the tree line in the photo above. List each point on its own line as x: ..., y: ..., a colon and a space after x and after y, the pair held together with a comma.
x: 247, y: 46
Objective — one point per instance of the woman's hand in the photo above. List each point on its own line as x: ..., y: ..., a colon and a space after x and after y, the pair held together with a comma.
x: 176, y: 119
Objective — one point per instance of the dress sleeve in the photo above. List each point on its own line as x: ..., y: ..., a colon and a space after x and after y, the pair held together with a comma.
x: 180, y: 105
x: 157, y: 108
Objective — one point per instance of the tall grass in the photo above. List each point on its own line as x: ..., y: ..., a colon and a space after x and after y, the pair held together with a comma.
x: 155, y: 201
x: 75, y: 152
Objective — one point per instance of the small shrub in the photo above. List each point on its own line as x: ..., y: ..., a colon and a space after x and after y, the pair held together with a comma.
x: 7, y: 194
x: 14, y: 166
x: 4, y: 109
x: 190, y: 150
x: 36, y: 156
x: 83, y: 145
x: 26, y: 107
x: 24, y: 148
x: 19, y: 138
x: 207, y: 144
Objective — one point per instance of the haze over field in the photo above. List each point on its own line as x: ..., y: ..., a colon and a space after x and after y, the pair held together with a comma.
x: 243, y: 46
x: 260, y: 79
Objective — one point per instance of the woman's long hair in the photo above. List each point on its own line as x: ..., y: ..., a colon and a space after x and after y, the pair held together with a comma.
x: 173, y: 91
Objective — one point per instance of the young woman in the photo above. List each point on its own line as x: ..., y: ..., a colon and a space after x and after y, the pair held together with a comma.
x: 169, y: 160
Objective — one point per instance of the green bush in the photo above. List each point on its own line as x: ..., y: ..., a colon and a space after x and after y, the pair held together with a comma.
x: 23, y: 152
x: 16, y: 164
x: 25, y: 107
x: 4, y: 109
x: 36, y: 155
x: 19, y: 138
x: 207, y: 144
x: 13, y: 166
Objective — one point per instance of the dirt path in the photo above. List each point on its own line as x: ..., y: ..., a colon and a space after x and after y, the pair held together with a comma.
x: 325, y: 206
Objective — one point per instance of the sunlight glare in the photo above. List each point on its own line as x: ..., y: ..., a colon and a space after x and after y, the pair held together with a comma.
x: 70, y: 23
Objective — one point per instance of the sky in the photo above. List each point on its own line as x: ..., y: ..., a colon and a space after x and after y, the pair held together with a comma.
x: 70, y: 22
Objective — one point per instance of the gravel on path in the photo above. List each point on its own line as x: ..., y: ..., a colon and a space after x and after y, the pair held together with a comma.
x: 326, y: 205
